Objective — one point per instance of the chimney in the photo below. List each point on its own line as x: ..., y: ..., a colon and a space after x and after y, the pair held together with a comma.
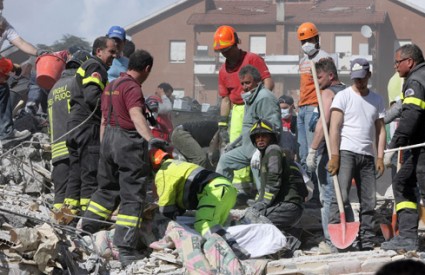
x: 280, y: 11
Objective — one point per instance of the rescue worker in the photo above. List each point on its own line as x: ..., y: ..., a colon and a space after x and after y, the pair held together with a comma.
x: 308, y: 35
x: 318, y: 158
x: 123, y: 170
x: 283, y: 190
x: 84, y: 124
x: 120, y: 62
x: 58, y: 110
x: 410, y: 64
x: 260, y: 103
x: 226, y: 42
x: 185, y: 186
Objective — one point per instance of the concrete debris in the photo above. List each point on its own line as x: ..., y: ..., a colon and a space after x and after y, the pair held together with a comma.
x: 34, y: 240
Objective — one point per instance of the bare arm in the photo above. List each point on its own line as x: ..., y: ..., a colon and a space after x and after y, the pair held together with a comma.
x: 140, y: 123
x: 269, y: 83
x: 225, y: 106
x: 24, y: 46
x: 337, y: 118
x: 381, y: 137
x: 327, y: 97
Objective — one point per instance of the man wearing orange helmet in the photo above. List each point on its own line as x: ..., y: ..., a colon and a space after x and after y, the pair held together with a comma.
x: 226, y: 42
x: 308, y: 35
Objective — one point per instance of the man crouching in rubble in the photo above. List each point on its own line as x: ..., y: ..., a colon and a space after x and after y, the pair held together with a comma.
x: 283, y: 190
x: 186, y: 186
x: 122, y: 172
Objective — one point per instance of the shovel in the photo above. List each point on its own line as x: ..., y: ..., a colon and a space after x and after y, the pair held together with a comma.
x: 344, y: 233
x: 391, y: 230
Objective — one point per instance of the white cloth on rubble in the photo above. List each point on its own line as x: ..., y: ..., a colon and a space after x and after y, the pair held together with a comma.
x: 258, y: 239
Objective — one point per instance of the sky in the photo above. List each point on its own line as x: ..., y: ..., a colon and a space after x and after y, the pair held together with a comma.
x: 45, y: 21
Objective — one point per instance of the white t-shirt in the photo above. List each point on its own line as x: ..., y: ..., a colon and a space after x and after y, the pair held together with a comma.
x: 360, y: 114
x: 9, y: 34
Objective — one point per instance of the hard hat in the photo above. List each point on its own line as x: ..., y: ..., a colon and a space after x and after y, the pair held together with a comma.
x: 307, y: 30
x: 152, y: 102
x: 77, y: 59
x: 157, y: 156
x: 262, y: 127
x: 225, y: 37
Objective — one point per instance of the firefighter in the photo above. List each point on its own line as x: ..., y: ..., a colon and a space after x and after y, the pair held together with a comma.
x: 84, y: 121
x: 186, y: 186
x: 123, y: 169
x: 410, y: 64
x: 283, y: 190
x: 226, y: 42
x: 58, y: 110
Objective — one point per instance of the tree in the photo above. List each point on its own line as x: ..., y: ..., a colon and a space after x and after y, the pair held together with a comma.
x: 66, y: 42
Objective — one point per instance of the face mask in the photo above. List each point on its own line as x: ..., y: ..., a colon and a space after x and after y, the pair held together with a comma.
x: 246, y: 96
x: 309, y: 48
x: 284, y: 113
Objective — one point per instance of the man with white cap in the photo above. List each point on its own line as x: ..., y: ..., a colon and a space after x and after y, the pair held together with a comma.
x: 356, y: 115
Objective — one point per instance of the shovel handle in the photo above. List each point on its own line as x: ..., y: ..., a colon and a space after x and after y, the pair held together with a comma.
x: 326, y: 134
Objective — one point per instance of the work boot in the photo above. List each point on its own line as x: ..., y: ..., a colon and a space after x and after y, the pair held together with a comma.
x: 400, y: 243
x: 18, y: 135
x: 129, y: 255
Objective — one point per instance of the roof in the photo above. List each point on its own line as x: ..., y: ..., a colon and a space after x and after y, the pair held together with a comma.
x: 334, y: 12
x: 417, y: 5
x: 237, y: 12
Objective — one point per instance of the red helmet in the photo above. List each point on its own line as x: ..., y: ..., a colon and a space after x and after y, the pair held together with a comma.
x: 225, y: 37
x: 153, y: 103
x: 157, y: 156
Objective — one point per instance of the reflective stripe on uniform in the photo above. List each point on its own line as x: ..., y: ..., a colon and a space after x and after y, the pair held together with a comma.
x: 71, y: 202
x: 268, y: 196
x: 57, y: 206
x: 126, y: 220
x: 83, y: 203
x: 415, y: 101
x: 59, y: 149
x: 406, y: 205
x: 94, y: 80
x: 99, y: 210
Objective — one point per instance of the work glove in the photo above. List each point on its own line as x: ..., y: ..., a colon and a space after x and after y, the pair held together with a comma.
x: 379, y: 167
x: 388, y: 158
x: 223, y: 129
x: 157, y: 143
x: 311, y: 159
x: 17, y: 69
x: 333, y: 165
x: 42, y: 51
x: 256, y: 160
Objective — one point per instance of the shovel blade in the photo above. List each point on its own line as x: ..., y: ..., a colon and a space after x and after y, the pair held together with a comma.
x: 343, y: 234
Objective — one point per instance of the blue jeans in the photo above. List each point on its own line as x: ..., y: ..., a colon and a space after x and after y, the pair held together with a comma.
x: 305, y: 137
x: 326, y: 190
x: 362, y: 169
x: 6, y: 122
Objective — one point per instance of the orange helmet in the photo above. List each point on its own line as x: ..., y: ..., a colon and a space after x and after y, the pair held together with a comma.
x: 157, y: 156
x: 307, y: 30
x: 224, y: 37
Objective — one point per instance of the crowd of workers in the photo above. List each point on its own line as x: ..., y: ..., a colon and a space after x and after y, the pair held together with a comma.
x: 107, y: 140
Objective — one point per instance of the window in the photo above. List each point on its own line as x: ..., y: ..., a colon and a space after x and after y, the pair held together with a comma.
x: 177, y: 51
x: 343, y: 48
x: 258, y: 44
x: 178, y: 93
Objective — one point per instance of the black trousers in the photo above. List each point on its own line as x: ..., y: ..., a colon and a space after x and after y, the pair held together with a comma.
x: 122, y: 177
x: 405, y: 183
x: 60, y: 179
x: 83, y: 146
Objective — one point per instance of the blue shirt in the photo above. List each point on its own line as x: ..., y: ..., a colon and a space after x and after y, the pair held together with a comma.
x: 118, y: 66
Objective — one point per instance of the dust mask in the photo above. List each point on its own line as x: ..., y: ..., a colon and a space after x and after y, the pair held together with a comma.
x: 309, y: 48
x: 284, y: 113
